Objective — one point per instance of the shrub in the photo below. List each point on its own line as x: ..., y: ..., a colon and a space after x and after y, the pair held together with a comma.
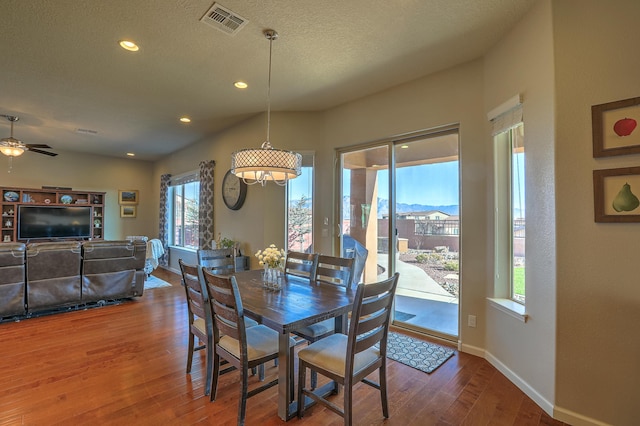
x: 451, y: 266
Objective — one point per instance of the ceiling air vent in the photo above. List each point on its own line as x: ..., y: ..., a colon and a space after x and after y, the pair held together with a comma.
x: 223, y: 19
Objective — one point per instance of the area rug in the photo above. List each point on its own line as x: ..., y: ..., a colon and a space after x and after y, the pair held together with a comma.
x: 402, y: 316
x: 155, y: 282
x: 421, y: 355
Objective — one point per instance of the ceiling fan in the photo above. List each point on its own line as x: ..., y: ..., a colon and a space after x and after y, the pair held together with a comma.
x: 12, y: 147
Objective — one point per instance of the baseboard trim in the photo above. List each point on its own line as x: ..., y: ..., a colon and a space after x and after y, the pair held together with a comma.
x: 575, y: 419
x: 547, y: 406
x: 469, y: 349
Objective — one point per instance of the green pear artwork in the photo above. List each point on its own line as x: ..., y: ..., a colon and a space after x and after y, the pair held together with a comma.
x: 625, y: 201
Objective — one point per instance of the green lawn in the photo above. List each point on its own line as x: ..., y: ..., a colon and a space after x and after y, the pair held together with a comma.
x: 518, y: 280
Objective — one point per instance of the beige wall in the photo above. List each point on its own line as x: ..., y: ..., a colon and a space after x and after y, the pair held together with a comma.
x: 260, y: 221
x: 522, y: 62
x: 598, y: 291
x: 84, y: 172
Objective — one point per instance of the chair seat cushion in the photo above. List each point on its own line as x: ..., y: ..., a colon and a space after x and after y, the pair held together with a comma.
x: 318, y: 329
x: 330, y: 354
x: 261, y: 341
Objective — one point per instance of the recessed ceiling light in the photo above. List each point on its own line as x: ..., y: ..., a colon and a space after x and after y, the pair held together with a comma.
x: 185, y: 119
x: 241, y: 84
x: 131, y: 154
x: 404, y: 146
x: 129, y: 45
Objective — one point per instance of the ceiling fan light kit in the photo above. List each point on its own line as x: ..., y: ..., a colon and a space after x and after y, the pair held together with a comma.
x: 12, y: 147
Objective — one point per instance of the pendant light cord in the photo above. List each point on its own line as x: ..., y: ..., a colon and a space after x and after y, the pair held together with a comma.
x: 271, y: 35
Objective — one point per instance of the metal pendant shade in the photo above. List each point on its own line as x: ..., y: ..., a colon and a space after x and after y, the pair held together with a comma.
x: 266, y: 164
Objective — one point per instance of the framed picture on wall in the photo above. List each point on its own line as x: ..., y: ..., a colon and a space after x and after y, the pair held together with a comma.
x: 128, y: 211
x: 616, y: 193
x: 614, y: 127
x: 127, y: 197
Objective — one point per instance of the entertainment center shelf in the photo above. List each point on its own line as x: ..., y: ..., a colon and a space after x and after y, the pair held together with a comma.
x: 63, y: 214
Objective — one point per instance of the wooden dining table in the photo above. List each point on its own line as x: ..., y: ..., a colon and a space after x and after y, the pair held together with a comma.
x: 300, y: 302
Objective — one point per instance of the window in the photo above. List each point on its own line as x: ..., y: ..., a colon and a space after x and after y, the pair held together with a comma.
x: 510, y: 213
x: 184, y: 193
x: 300, y: 208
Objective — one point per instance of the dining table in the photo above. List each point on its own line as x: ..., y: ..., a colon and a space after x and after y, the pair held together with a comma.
x: 298, y: 303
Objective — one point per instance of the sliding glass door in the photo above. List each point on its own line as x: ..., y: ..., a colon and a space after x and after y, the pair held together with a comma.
x: 399, y: 201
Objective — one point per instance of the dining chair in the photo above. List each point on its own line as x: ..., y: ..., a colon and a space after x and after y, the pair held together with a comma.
x: 301, y: 264
x: 200, y: 319
x: 349, y: 359
x: 244, y: 348
x: 330, y: 270
x: 218, y: 261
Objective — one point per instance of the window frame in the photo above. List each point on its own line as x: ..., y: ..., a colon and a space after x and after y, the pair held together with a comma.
x: 178, y: 183
x: 308, y: 163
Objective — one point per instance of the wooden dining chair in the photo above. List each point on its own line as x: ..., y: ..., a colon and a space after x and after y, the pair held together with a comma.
x: 200, y: 319
x: 330, y: 270
x: 218, y: 261
x: 301, y: 264
x: 349, y: 359
x: 244, y: 348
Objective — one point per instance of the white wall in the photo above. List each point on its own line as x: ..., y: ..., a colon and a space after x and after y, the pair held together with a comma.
x: 522, y: 62
x: 598, y: 291
x: 84, y: 172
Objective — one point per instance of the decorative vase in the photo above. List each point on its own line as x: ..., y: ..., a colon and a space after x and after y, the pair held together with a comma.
x: 271, y: 278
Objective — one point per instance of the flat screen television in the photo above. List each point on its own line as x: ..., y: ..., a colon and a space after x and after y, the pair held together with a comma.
x: 50, y: 222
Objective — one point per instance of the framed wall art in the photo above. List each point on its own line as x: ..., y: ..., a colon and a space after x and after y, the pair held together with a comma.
x: 128, y: 211
x: 616, y: 193
x: 614, y: 127
x: 127, y: 197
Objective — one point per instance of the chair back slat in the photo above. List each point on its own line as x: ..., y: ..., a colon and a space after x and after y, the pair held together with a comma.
x: 301, y: 264
x: 335, y: 270
x: 228, y: 316
x: 371, y: 314
x: 218, y: 261
x: 196, y: 299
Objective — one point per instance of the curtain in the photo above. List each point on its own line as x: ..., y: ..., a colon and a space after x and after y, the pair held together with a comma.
x: 205, y: 211
x: 163, y: 231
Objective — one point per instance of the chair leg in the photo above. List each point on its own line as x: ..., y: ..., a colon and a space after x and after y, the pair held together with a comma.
x: 214, y: 379
x: 242, y: 404
x: 314, y: 379
x: 383, y: 389
x: 348, y: 403
x: 301, y: 381
x: 190, y: 352
x: 209, y: 352
x: 261, y: 372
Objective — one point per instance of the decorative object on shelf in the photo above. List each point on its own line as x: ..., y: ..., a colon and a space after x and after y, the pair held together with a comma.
x: 266, y: 164
x: 66, y: 199
x: 614, y: 127
x: 82, y: 201
x: 234, y: 191
x: 272, y: 258
x: 11, y: 196
x: 8, y: 224
x: 10, y: 212
x: 47, y: 201
x: 616, y: 194
x: 127, y: 197
x: 96, y: 199
x: 97, y: 223
x: 127, y: 211
x: 26, y: 198
x: 7, y: 239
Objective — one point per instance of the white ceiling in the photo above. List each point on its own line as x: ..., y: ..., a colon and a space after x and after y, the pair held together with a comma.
x: 62, y: 68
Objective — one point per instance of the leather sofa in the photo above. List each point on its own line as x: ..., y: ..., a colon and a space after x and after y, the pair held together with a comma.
x: 48, y: 276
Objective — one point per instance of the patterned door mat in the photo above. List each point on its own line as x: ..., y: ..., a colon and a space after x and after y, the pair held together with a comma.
x: 421, y: 355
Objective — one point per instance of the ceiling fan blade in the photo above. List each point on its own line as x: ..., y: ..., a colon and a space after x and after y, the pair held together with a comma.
x: 39, y: 151
x: 37, y: 145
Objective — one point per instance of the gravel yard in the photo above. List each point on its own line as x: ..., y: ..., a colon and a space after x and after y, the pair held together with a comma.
x: 434, y: 266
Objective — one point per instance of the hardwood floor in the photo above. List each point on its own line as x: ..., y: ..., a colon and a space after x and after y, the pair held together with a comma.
x: 125, y: 364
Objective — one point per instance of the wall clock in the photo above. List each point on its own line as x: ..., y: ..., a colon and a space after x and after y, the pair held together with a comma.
x: 234, y: 191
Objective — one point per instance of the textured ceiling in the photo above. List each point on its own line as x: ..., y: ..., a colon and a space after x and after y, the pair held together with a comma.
x: 63, y: 69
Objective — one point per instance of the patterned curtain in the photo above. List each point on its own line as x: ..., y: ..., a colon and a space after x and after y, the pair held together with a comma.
x: 205, y: 212
x: 163, y: 231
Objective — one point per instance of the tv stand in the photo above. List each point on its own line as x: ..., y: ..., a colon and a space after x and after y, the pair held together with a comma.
x: 13, y: 197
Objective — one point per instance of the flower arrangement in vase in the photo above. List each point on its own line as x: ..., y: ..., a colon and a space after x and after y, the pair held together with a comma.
x: 272, y: 258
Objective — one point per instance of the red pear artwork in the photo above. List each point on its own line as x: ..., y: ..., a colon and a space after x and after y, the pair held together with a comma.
x: 625, y: 126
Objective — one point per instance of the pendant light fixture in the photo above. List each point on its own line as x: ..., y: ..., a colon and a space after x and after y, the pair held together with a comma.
x: 11, y: 147
x: 266, y: 164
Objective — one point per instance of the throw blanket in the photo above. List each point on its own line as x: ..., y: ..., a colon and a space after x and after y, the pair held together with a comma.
x: 154, y: 251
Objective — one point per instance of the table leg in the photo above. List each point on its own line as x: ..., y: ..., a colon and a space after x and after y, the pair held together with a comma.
x: 285, y: 380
